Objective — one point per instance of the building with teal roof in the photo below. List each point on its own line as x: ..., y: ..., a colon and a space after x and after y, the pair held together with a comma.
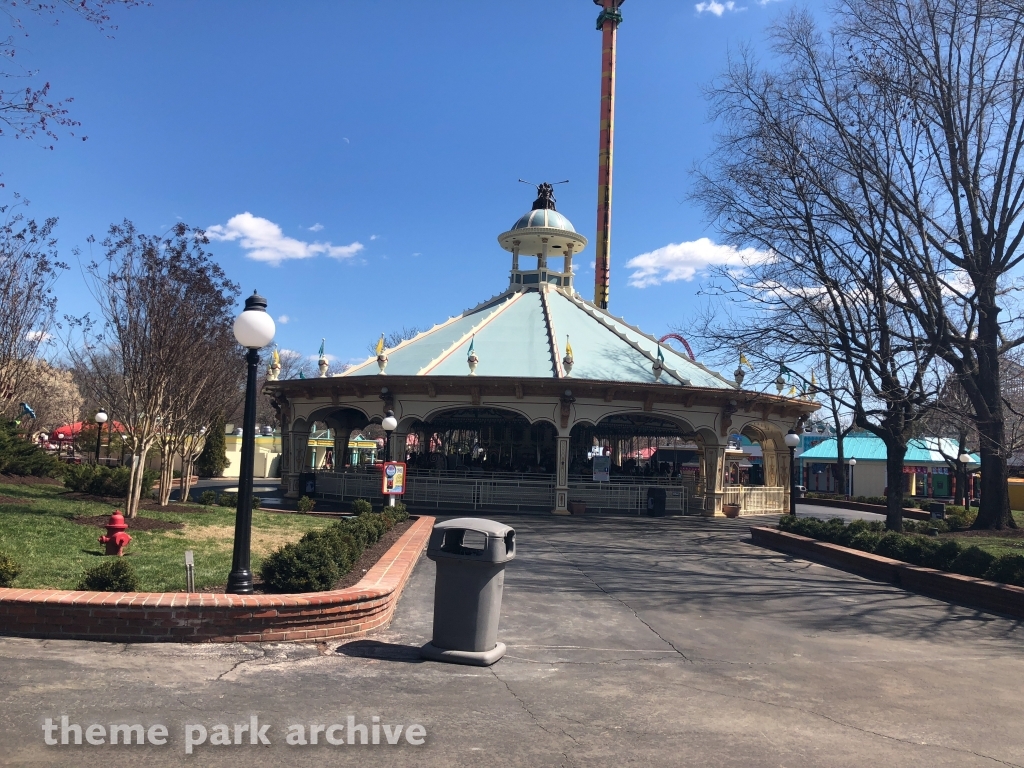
x: 505, y: 405
x: 929, y: 466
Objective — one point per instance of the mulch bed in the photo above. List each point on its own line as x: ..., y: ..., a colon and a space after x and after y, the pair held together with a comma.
x: 118, y: 502
x: 15, y: 500
x: 28, y: 480
x: 137, y: 524
x: 371, y: 555
x: 1006, y: 533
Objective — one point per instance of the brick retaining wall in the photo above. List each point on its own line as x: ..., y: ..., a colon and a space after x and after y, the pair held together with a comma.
x: 952, y: 587
x: 218, y: 618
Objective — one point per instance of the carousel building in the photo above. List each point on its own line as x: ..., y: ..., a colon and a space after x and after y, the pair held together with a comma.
x: 522, y: 402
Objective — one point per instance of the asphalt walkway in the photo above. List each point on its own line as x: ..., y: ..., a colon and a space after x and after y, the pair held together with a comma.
x: 664, y: 642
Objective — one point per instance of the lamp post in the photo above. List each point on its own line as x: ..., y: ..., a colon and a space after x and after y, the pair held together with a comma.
x: 853, y: 463
x: 254, y: 329
x: 100, y: 418
x: 965, y: 459
x: 792, y: 441
x: 389, y: 424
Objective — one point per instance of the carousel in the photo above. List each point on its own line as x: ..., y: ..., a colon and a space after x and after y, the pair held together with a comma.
x: 536, y: 399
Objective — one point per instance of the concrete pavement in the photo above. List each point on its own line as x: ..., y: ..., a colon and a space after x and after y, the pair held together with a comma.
x: 656, y: 642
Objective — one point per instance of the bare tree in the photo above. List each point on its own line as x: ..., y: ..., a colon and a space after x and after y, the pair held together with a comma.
x: 28, y: 269
x: 27, y: 108
x: 52, y: 393
x: 820, y: 288
x: 159, y: 298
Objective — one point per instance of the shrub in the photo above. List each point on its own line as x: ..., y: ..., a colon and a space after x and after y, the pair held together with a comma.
x: 114, y: 575
x: 320, y: 558
x: 100, y: 480
x: 941, y: 557
x: 865, y: 541
x: 214, y: 459
x: 209, y: 498
x: 9, y: 570
x: 19, y: 456
x: 898, y: 547
x: 306, y: 566
x: 306, y: 504
x: 960, y: 519
x: 228, y: 499
x: 973, y: 561
x: 1007, y: 569
x: 256, y: 501
x: 361, y: 506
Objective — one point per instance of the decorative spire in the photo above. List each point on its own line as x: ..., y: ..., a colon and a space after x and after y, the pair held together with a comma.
x: 382, y: 359
x: 275, y: 365
x: 659, y: 364
x: 322, y: 363
x: 567, y: 361
x: 472, y: 359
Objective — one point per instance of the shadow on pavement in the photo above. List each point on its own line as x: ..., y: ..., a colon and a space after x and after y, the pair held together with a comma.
x: 374, y: 649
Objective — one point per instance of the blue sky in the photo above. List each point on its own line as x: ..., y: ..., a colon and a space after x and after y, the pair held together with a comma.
x: 381, y: 143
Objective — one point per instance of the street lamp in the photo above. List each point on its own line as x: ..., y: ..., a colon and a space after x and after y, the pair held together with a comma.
x: 965, y: 459
x: 254, y: 329
x: 100, y: 418
x: 853, y: 463
x: 792, y: 441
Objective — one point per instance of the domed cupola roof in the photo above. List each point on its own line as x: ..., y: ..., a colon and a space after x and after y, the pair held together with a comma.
x: 543, y: 217
x: 542, y: 226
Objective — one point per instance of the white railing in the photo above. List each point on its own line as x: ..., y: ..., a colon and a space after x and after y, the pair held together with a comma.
x: 756, y: 499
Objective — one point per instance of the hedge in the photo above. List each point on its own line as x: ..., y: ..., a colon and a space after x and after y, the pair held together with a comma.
x: 100, y: 480
x: 316, y: 561
x: 941, y: 554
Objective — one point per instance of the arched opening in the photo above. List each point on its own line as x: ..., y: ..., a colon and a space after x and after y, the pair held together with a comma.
x: 465, y: 458
x: 481, y: 440
x: 625, y: 454
x: 755, y: 473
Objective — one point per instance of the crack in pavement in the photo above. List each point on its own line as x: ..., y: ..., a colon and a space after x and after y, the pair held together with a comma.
x: 848, y: 725
x: 237, y: 664
x: 530, y: 712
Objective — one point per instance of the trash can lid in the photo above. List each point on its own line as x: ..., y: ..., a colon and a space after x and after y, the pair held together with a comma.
x: 490, y: 528
x: 447, y: 541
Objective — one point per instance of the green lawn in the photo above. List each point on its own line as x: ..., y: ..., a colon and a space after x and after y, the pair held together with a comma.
x: 998, y: 545
x: 54, y: 552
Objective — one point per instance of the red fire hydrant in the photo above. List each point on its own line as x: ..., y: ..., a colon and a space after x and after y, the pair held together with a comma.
x: 116, y: 538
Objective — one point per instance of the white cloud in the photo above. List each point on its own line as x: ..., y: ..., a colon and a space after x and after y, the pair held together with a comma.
x: 41, y: 336
x: 683, y: 261
x: 283, y: 319
x: 717, y: 8
x: 316, y: 227
x: 327, y: 356
x: 374, y: 237
x: 264, y: 241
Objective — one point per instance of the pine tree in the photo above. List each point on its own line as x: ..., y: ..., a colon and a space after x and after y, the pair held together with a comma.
x: 213, y: 460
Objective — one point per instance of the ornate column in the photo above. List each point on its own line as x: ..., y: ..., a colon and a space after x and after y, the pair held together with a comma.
x: 714, y: 468
x: 562, y: 477
x: 783, y: 476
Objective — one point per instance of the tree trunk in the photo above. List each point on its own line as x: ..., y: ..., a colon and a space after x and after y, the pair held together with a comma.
x: 840, y: 472
x: 994, y: 512
x: 895, y: 454
x: 138, y: 467
x: 166, y: 475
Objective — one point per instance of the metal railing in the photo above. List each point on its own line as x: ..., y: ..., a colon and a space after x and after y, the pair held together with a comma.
x: 506, y: 491
x: 757, y: 499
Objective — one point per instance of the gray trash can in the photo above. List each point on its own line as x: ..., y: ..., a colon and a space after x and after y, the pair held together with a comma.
x: 937, y: 510
x: 470, y: 554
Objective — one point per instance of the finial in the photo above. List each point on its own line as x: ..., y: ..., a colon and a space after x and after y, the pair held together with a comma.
x: 472, y: 359
x: 545, y: 194
x: 567, y: 361
x: 322, y: 363
x: 382, y: 359
x: 659, y: 364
